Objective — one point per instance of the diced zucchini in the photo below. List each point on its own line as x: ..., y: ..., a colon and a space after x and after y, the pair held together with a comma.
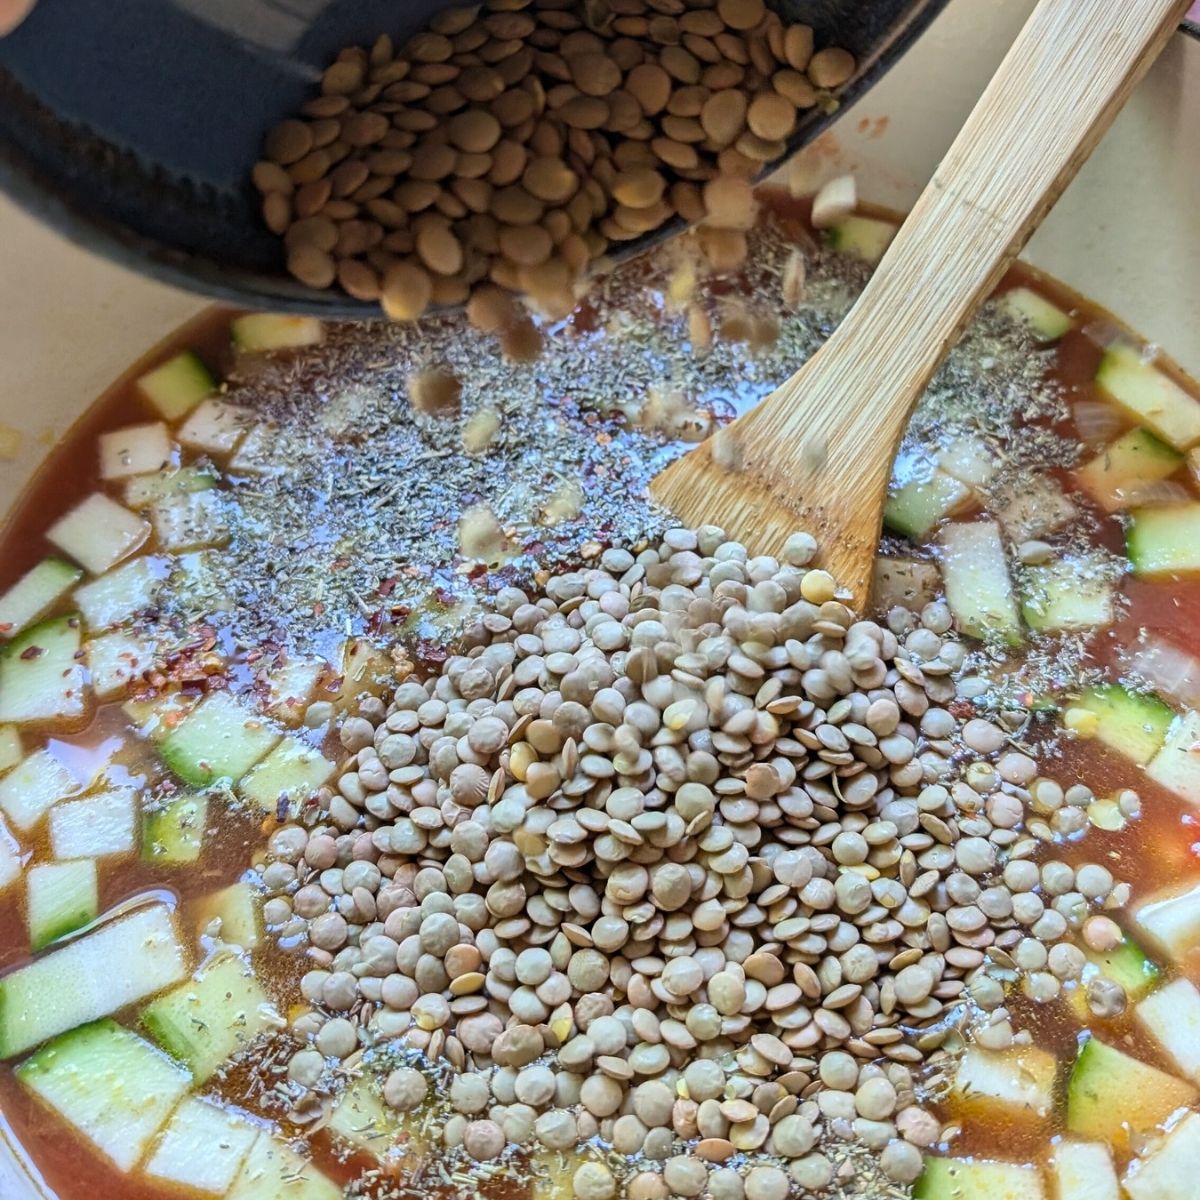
x: 1134, y: 724
x: 121, y: 962
x: 113, y: 1087
x: 969, y: 460
x: 135, y: 450
x: 215, y: 427
x: 275, y: 331
x: 291, y: 687
x: 98, y: 532
x: 1017, y: 1083
x: 361, y: 1118
x: 917, y: 506
x: 41, y: 679
x: 1047, y: 322
x: 174, y: 835
x: 1149, y: 396
x: 1136, y: 458
x: 144, y: 490
x: 975, y: 575
x: 977, y: 1179
x: 203, y: 1147
x: 866, y: 238
x: 237, y: 909
x: 1171, y: 1015
x: 206, y: 1020
x: 32, y: 788
x: 178, y: 385
x: 10, y: 857
x: 1170, y: 920
x: 1177, y: 765
x: 218, y: 739
x: 59, y: 898
x: 1034, y: 508
x: 155, y: 718
x: 1068, y: 593
x: 1084, y: 1171
x: 274, y: 1171
x: 1164, y: 541
x: 1168, y: 1172
x: 35, y: 592
x: 10, y: 747
x: 189, y: 522
x: 1167, y: 668
x: 117, y: 660
x: 1127, y: 965
x: 95, y: 826
x: 123, y: 593
x: 293, y: 771
x: 258, y: 454
x: 1111, y: 1094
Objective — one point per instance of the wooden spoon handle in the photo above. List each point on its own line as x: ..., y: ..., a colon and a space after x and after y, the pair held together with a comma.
x: 1066, y: 76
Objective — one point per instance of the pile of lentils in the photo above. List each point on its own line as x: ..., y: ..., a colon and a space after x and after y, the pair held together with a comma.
x: 681, y: 859
x: 511, y: 143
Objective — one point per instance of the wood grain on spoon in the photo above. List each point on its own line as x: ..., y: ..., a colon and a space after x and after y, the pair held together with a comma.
x: 817, y: 453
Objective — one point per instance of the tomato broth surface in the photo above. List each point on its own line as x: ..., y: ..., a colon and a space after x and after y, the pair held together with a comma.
x: 1076, y: 611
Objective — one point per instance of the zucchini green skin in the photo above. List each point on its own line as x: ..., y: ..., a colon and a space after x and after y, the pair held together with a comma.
x: 1149, y: 396
x: 1132, y: 723
x: 175, y: 387
x: 1164, y: 541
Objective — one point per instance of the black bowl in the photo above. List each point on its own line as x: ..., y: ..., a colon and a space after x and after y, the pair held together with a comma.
x: 131, y: 126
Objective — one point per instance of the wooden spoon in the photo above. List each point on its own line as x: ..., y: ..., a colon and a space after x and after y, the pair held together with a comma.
x: 817, y: 453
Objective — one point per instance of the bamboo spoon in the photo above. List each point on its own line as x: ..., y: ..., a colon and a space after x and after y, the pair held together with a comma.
x: 817, y: 453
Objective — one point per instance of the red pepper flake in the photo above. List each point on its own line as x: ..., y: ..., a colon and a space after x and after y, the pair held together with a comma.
x: 388, y: 586
x: 339, y: 564
x: 961, y: 709
x: 319, y: 609
x: 33, y: 652
x: 5, y: 626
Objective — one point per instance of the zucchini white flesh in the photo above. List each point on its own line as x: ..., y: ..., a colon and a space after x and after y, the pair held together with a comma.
x: 969, y: 460
x: 122, y: 593
x: 1047, y: 322
x: 112, y: 1086
x: 1134, y: 724
x: 865, y: 238
x: 144, y: 490
x: 183, y: 523
x: 236, y: 908
x: 178, y: 385
x: 1112, y: 1094
x: 1177, y: 765
x: 905, y: 583
x: 10, y: 857
x: 978, y: 588
x: 155, y: 718
x: 1034, y: 508
x: 1171, y: 1015
x: 10, y: 747
x: 35, y: 592
x: 41, y: 678
x: 291, y: 688
x: 1164, y: 541
x: 258, y: 454
x: 292, y: 772
x: 33, y: 787
x: 1084, y: 1171
x: 274, y: 1171
x: 215, y: 427
x: 135, y: 450
x: 60, y: 897
x: 275, y: 331
x: 1149, y: 396
x: 202, y: 1147
x: 98, y: 533
x: 219, y: 739
x: 915, y: 507
x: 1017, y: 1083
x: 174, y: 835
x: 1168, y: 1172
x: 361, y: 1118
x: 977, y: 1179
x: 119, y: 963
x: 1170, y: 920
x: 1068, y: 594
x: 1114, y: 477
x: 206, y: 1020
x: 95, y: 826
x: 117, y: 660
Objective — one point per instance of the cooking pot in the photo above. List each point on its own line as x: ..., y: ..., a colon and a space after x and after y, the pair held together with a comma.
x: 1126, y: 233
